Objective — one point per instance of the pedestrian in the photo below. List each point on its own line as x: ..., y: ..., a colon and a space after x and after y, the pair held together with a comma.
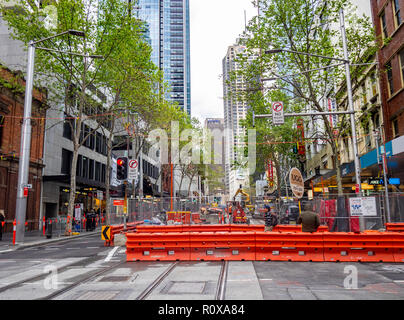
x: 271, y: 220
x: 308, y: 219
x: 93, y: 216
x: 2, y: 219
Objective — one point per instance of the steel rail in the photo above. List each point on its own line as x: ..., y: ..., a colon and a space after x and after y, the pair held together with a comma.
x: 86, y: 279
x: 221, y: 284
x: 156, y: 282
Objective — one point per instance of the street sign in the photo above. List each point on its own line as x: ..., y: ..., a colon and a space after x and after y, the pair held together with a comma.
x: 394, y: 181
x: 278, y: 117
x: 296, y: 182
x: 119, y: 202
x: 133, y: 169
x: 28, y: 185
x: 25, y: 192
x: 106, y: 233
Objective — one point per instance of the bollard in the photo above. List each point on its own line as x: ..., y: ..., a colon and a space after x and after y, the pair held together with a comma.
x: 14, y: 230
x: 43, y: 226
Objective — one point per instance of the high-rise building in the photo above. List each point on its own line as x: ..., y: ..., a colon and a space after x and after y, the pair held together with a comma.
x: 215, y: 176
x: 168, y: 22
x: 235, y: 110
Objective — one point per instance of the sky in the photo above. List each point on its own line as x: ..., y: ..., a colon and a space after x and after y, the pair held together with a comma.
x: 214, y: 25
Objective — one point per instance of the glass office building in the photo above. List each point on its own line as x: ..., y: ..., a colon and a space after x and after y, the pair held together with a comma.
x: 168, y: 22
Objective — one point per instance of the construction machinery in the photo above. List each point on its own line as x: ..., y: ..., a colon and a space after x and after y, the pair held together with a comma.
x: 237, y: 208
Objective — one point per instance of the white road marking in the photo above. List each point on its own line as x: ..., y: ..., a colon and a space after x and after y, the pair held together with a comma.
x: 111, y: 253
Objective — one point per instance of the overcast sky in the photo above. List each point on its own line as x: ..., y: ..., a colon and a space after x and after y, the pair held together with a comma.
x: 215, y: 25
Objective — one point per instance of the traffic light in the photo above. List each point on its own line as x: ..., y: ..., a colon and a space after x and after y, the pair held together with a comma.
x: 122, y: 168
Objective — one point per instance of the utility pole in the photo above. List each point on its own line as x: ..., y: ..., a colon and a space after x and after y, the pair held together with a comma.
x: 386, y: 184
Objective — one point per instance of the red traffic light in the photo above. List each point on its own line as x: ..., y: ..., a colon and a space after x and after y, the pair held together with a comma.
x: 120, y: 162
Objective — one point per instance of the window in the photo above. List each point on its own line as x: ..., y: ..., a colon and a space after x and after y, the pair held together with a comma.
x: 103, y: 172
x: 383, y: 25
x: 402, y: 66
x: 97, y: 171
x: 395, y: 128
x: 79, y: 167
x: 66, y: 161
x: 389, y: 72
x: 68, y: 125
x: 98, y: 142
x: 85, y: 168
x: 91, y: 170
x: 397, y: 16
x: 1, y: 129
x: 374, y: 85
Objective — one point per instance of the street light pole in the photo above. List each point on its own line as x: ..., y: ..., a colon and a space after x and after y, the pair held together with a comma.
x: 25, y: 149
x: 350, y: 102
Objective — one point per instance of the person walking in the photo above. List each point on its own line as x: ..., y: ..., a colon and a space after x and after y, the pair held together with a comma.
x: 308, y: 219
x: 2, y: 219
x: 271, y: 220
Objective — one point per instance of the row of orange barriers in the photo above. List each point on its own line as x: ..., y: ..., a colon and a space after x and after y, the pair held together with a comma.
x: 117, y: 229
x: 264, y: 246
x: 396, y: 227
x: 200, y: 228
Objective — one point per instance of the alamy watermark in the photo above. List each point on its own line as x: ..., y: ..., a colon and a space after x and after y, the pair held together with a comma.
x: 351, y: 281
x: 51, y: 281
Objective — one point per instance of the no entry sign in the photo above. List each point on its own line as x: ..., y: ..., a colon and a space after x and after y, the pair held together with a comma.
x: 277, y: 113
x: 133, y: 169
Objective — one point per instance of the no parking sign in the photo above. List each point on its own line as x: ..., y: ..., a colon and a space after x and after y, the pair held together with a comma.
x: 278, y: 117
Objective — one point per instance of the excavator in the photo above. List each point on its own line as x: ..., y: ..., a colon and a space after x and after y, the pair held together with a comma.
x: 236, y: 208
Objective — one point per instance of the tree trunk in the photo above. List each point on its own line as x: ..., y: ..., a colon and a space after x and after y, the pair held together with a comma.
x: 72, y: 195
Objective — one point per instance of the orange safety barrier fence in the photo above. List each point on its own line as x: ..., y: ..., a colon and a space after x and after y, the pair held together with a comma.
x: 246, y: 227
x: 295, y: 228
x: 206, y: 228
x: 179, y: 216
x: 158, y: 246
x: 360, y: 247
x: 291, y: 246
x: 116, y: 229
x: 196, y: 217
x: 159, y: 229
x: 397, y: 227
x: 229, y: 246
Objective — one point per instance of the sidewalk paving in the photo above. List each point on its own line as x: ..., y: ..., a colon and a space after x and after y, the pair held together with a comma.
x: 35, y: 238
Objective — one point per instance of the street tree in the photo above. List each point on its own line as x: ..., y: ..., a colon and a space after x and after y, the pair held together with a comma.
x: 310, y: 27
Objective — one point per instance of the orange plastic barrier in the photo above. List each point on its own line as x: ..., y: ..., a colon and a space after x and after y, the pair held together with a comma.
x: 196, y: 217
x: 116, y: 229
x: 230, y: 246
x: 247, y: 227
x: 397, y: 227
x: 157, y: 246
x: 206, y: 228
x: 179, y: 216
x: 363, y: 247
x: 295, y: 228
x: 278, y: 246
x: 398, y: 246
x: 159, y: 229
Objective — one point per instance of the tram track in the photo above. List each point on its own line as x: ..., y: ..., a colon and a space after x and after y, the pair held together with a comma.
x: 221, y: 283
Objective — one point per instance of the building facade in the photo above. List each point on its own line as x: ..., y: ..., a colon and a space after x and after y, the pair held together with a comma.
x: 11, y: 114
x: 215, y: 183
x: 235, y: 110
x: 169, y: 37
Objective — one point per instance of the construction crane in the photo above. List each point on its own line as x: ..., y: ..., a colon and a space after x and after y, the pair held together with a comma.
x: 246, y: 202
x: 237, y: 207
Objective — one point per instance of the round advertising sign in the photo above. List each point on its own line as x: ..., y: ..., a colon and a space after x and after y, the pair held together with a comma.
x: 296, y: 182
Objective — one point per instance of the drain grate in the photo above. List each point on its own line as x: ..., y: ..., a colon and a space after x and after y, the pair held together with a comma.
x: 185, y: 287
x: 98, y: 295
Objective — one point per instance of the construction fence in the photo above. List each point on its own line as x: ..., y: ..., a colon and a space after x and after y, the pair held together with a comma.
x: 340, y: 213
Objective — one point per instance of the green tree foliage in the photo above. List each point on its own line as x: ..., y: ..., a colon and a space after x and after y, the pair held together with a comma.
x: 310, y: 27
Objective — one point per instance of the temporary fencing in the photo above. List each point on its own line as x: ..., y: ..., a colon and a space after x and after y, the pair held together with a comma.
x: 222, y: 242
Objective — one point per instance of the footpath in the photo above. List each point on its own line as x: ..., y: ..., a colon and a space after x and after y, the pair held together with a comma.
x: 36, y: 238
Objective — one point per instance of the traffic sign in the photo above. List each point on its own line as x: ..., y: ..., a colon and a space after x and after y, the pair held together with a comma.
x: 296, y: 182
x: 106, y: 233
x: 278, y: 117
x: 133, y: 169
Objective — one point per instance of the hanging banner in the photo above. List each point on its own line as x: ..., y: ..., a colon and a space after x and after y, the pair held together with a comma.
x: 301, y: 149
